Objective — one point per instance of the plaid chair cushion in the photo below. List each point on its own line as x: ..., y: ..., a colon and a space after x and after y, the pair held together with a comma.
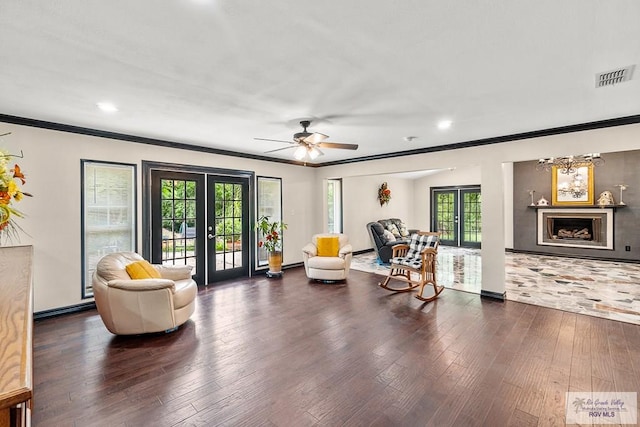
x: 418, y: 244
x: 409, y: 262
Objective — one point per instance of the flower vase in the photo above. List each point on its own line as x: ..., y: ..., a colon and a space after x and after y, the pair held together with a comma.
x: 275, y: 262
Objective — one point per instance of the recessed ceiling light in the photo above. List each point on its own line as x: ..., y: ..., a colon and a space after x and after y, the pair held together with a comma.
x: 444, y: 124
x: 107, y: 107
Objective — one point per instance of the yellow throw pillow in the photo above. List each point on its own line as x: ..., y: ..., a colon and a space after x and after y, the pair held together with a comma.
x: 142, y: 270
x: 328, y: 246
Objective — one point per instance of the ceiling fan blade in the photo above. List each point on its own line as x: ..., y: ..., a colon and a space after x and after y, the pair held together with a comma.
x: 315, y: 138
x: 337, y: 145
x: 275, y: 140
x: 278, y: 149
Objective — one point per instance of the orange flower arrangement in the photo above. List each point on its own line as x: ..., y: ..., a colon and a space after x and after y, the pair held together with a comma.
x: 384, y: 194
x: 10, y: 193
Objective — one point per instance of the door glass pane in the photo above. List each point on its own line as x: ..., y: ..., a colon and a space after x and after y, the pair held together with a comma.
x: 228, y: 225
x: 179, y: 222
x: 445, y: 215
x: 472, y: 217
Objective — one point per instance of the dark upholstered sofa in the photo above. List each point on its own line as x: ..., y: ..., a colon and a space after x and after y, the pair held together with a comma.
x: 383, y: 244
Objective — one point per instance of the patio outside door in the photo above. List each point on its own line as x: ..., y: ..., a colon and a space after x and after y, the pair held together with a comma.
x: 227, y: 227
x: 456, y: 214
x: 200, y: 220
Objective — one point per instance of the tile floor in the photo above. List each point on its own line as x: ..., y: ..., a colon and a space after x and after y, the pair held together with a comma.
x: 598, y: 288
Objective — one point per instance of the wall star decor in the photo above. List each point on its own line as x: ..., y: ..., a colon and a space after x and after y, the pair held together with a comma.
x: 384, y: 194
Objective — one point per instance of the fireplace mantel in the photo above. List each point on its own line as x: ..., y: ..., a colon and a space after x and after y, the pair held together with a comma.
x: 614, y: 207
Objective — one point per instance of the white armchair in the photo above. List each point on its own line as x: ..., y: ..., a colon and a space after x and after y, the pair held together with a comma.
x: 327, y: 268
x: 141, y: 306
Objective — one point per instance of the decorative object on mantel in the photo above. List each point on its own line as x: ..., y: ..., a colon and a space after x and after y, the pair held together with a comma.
x: 531, y: 193
x: 384, y: 194
x: 622, y: 188
x: 572, y: 189
x: 272, y: 241
x: 10, y: 181
x: 570, y: 164
x: 542, y: 202
x: 606, y: 199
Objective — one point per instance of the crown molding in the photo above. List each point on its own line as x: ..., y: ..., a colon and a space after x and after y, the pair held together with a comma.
x: 600, y: 124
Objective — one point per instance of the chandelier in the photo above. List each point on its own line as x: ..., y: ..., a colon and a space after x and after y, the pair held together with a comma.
x: 570, y: 164
x: 576, y: 188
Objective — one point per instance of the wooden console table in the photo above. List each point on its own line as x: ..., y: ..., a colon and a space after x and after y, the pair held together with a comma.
x: 16, y: 336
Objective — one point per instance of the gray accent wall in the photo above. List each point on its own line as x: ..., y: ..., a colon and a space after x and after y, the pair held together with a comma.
x: 619, y: 168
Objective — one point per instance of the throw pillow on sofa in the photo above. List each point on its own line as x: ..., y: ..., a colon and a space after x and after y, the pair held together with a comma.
x: 394, y: 230
x: 404, y: 231
x: 388, y: 236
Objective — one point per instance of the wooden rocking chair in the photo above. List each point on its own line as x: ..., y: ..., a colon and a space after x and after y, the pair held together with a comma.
x: 419, y: 258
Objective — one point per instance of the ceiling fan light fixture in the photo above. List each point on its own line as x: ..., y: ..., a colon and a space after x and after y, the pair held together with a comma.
x: 307, y: 144
x: 314, y: 153
x: 300, y: 152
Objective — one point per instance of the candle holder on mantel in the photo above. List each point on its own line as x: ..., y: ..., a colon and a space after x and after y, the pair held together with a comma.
x: 622, y: 188
x: 531, y: 193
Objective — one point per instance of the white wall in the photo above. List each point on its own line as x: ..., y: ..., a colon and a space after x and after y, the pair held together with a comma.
x: 507, y: 175
x: 52, y: 165
x: 361, y: 206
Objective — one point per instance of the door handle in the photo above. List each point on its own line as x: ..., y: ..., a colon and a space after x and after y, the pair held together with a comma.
x: 211, y: 236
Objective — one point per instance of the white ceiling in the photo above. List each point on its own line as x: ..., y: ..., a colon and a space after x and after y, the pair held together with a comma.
x: 218, y: 73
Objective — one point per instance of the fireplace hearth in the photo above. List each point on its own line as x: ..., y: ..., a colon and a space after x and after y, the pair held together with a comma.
x: 583, y: 228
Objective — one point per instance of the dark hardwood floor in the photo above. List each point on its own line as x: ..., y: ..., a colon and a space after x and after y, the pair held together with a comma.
x: 287, y: 352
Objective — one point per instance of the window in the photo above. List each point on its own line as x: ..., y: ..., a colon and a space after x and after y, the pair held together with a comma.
x: 269, y: 204
x: 108, y: 214
x: 334, y: 205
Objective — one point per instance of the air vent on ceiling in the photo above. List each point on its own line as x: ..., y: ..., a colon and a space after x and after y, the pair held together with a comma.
x: 616, y: 76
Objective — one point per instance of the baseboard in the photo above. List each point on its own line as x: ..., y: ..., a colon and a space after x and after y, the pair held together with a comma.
x: 263, y: 270
x: 363, y: 251
x: 295, y: 265
x: 493, y: 295
x: 592, y: 258
x: 45, y: 314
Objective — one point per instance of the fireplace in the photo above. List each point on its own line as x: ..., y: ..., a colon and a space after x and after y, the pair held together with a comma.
x: 583, y: 228
x: 572, y: 228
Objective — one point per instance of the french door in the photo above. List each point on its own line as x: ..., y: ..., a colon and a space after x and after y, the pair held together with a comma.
x: 456, y: 214
x: 227, y: 229
x: 201, y: 220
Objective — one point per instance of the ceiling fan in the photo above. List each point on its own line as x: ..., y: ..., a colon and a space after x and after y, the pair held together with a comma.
x: 308, y: 144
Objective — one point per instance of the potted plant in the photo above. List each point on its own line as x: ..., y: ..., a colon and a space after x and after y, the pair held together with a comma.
x: 271, y: 240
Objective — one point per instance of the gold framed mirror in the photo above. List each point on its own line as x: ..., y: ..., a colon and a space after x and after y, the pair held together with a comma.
x: 574, y: 188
